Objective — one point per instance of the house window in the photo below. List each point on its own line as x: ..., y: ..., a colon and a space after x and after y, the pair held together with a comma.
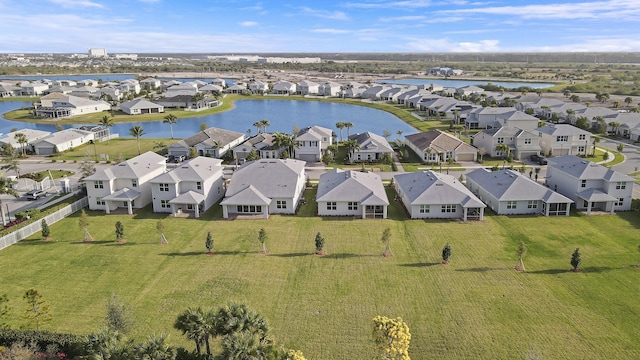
x: 99, y: 201
x: 511, y: 205
x: 164, y: 204
x: 199, y: 185
x: 527, y: 141
x: 582, y: 137
x: 500, y: 140
x: 249, y: 208
x: 562, y: 138
x: 532, y: 204
x: 424, y: 209
x: 352, y: 205
x: 98, y: 184
x: 580, y: 149
x: 281, y: 204
x: 164, y: 187
x: 621, y: 185
x: 134, y: 183
x: 448, y: 208
x: 620, y: 202
x: 331, y: 205
x: 583, y: 183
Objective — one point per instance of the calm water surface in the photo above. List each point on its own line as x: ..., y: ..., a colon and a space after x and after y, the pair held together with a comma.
x: 282, y: 114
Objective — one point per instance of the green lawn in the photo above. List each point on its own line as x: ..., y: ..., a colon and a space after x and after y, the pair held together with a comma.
x: 477, y: 307
x: 116, y: 149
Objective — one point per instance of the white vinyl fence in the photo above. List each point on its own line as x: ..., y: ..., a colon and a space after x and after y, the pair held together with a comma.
x: 36, y: 226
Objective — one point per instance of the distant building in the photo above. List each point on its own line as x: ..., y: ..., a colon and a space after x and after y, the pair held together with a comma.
x: 98, y: 53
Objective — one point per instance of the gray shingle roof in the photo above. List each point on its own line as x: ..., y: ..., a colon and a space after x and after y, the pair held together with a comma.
x: 131, y: 169
x: 199, y: 168
x: 273, y: 178
x: 340, y: 185
x: 211, y: 136
x: 585, y: 170
x: 369, y: 140
x: 430, y: 187
x: 438, y: 141
x: 510, y: 185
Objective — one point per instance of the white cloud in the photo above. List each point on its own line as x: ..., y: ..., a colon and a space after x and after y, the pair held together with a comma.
x: 72, y: 4
x: 446, y: 45
x: 408, y: 4
x: 404, y: 18
x: 248, y: 23
x: 149, y: 1
x: 330, y: 31
x: 334, y: 15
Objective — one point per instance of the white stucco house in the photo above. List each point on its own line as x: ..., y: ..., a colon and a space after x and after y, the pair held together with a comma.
x: 62, y: 140
x: 591, y: 186
x: 263, y: 187
x: 141, y: 106
x: 522, y: 144
x: 213, y: 141
x: 125, y: 185
x: 351, y: 193
x: 432, y: 195
x: 507, y: 192
x: 311, y: 142
x: 564, y: 139
x: 372, y: 147
x: 191, y: 188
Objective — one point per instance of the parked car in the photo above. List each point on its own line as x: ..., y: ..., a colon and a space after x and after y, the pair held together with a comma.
x: 36, y: 194
x: 178, y: 159
x: 540, y: 160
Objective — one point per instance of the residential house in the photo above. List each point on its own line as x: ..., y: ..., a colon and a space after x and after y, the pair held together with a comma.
x: 33, y: 88
x: 330, y: 89
x: 351, y: 193
x: 591, y: 186
x: 354, y: 90
x: 185, y: 89
x: 70, y: 105
x: 374, y: 91
x: 263, y: 187
x: 564, y: 139
x: 141, y: 106
x: 507, y: 192
x: 9, y: 90
x: 211, y: 89
x: 284, y: 88
x: 492, y: 117
x: 522, y: 144
x: 88, y: 92
x: 220, y: 82
x: 131, y: 86
x: 125, y: 185
x: 109, y: 93
x: 150, y: 84
x: 311, y: 142
x: 625, y: 123
x: 61, y: 141
x: 469, y: 90
x: 306, y: 87
x: 261, y: 143
x: 238, y: 88
x: 213, y: 142
x: 434, y: 146
x: 88, y: 82
x: 258, y: 87
x: 32, y: 135
x: 191, y: 188
x: 432, y: 195
x: 372, y: 147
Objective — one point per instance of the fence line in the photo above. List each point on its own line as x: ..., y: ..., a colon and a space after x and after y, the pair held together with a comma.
x: 36, y: 226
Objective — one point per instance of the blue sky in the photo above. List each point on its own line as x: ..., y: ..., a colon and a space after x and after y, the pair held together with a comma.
x: 242, y: 26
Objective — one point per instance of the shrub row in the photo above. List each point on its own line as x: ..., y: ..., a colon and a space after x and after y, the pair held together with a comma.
x: 69, y: 344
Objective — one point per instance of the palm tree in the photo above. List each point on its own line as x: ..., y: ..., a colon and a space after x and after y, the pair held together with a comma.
x: 340, y: 125
x: 595, y: 140
x: 155, y: 348
x: 192, y: 324
x: 628, y: 100
x: 614, y: 125
x: 258, y: 125
x: 136, y: 132
x: 352, y: 146
x: 264, y: 123
x: 503, y: 148
x: 170, y: 119
x: 284, y: 141
x: 107, y: 122
x: 22, y: 140
x: 348, y: 125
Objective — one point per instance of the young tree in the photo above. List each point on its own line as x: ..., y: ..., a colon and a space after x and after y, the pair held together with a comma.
x: 119, y: 317
x: 87, y: 168
x: 119, y: 231
x: 37, y: 312
x: 520, y: 251
x: 575, y: 260
x: 46, y: 232
x: 391, y: 337
x: 319, y: 244
x: 160, y: 229
x: 446, y: 253
x: 262, y: 238
x: 204, y: 126
x: 83, y: 222
x: 620, y: 147
x: 4, y: 311
x: 209, y: 243
x: 386, y: 240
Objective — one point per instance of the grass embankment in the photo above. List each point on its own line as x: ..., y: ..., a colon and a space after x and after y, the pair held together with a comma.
x: 476, y: 307
x: 117, y: 149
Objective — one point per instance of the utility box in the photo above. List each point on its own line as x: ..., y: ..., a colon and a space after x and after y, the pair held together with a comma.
x: 65, y: 185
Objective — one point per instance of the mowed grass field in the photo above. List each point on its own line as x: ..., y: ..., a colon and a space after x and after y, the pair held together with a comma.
x: 478, y: 307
